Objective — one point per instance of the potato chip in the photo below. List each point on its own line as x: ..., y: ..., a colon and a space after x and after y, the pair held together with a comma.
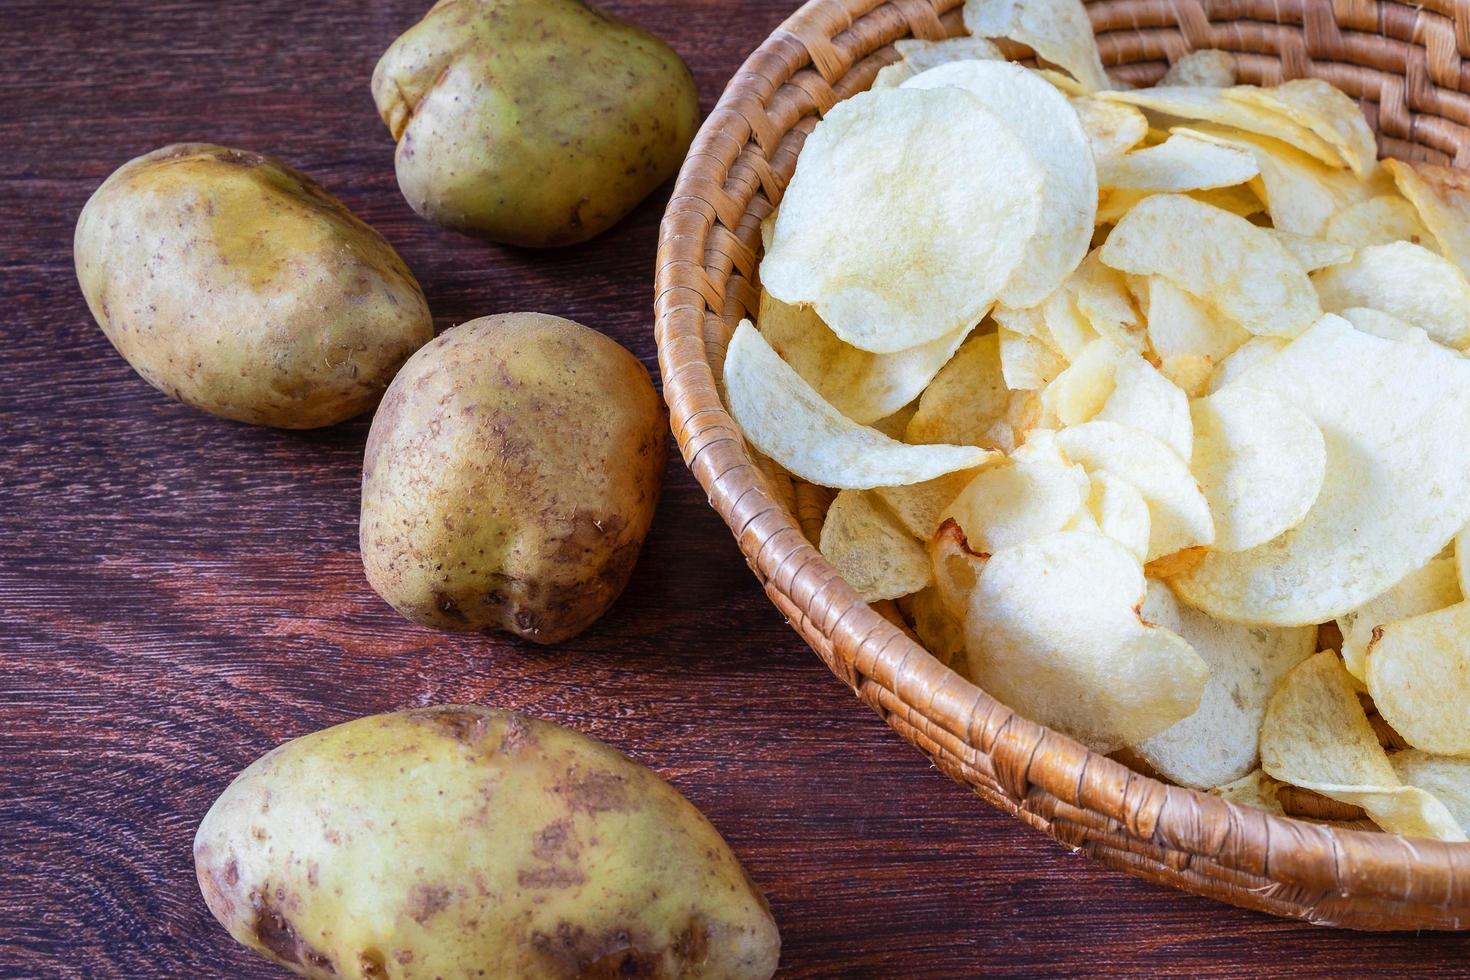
x: 920, y: 507
x: 1215, y: 105
x: 939, y: 632
x: 966, y: 402
x: 1030, y: 322
x: 1183, y: 325
x: 916, y: 56
x: 894, y: 426
x: 1324, y: 110
x: 1178, y: 514
x: 1381, y: 324
x: 1079, y: 393
x: 863, y: 386
x: 1407, y: 281
x: 1049, y: 128
x: 1419, y: 676
x: 1068, y: 328
x: 1245, y: 357
x: 1316, y: 736
x: 1102, y: 297
x: 1035, y: 493
x: 1441, y: 195
x: 1448, y: 780
x: 1180, y: 163
x: 1253, y: 789
x: 1143, y: 399
x: 1239, y: 268
x: 1239, y: 200
x: 1112, y: 128
x: 1219, y: 743
x: 871, y: 550
x: 1063, y: 83
x: 1398, y: 475
x: 893, y: 227
x: 1424, y: 590
x: 785, y: 418
x: 1260, y: 463
x: 1312, y: 253
x: 1377, y: 221
x: 1053, y: 631
x: 955, y: 566
x: 1057, y: 30
x: 1205, y: 67
x: 1120, y: 512
x: 1026, y: 363
x: 1461, y: 554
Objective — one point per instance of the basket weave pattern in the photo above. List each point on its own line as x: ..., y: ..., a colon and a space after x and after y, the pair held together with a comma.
x: 1405, y: 64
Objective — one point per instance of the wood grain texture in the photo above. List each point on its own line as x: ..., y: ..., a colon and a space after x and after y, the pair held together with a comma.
x: 178, y: 593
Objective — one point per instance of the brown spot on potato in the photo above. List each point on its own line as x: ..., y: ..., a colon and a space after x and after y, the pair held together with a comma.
x: 371, y: 965
x: 427, y: 901
x: 592, y: 956
x: 593, y: 792
x: 276, y: 934
x: 554, y: 841
x: 459, y: 722
x: 553, y: 876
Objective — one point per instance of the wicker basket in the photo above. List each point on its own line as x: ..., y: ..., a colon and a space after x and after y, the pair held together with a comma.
x: 1404, y: 63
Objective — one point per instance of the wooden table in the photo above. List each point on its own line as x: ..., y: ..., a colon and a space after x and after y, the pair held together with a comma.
x: 178, y: 593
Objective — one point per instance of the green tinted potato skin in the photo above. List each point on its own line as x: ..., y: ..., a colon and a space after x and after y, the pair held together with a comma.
x: 532, y: 122
x: 510, y: 477
x: 239, y: 286
x: 461, y: 841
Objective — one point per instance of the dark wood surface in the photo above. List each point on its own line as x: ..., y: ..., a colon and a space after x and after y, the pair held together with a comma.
x: 178, y: 593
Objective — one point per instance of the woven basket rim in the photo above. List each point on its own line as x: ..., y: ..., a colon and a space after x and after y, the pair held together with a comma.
x: 863, y: 647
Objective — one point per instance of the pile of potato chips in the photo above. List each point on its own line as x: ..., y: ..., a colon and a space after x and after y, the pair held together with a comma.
x: 1148, y: 407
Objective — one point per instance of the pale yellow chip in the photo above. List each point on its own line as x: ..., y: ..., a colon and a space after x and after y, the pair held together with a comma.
x: 921, y: 507
x: 1027, y: 364
x: 1141, y: 398
x: 869, y: 548
x: 1255, y: 789
x: 1441, y: 195
x: 1316, y: 736
x: 1461, y: 550
x: 1381, y: 324
x: 1245, y: 357
x: 862, y: 385
x: 1180, y: 163
x: 1057, y: 30
x: 1215, y: 105
x: 1407, y: 281
x: 1067, y: 328
x: 1219, y: 743
x: 1050, y: 130
x: 1392, y: 419
x: 893, y: 227
x: 941, y: 634
x: 955, y: 566
x: 1181, y: 325
x: 1112, y: 128
x: 917, y: 56
x: 1120, y: 512
x: 966, y: 402
x: 1447, y: 779
x: 1178, y: 513
x: 1239, y: 268
x: 1102, y: 298
x: 1079, y: 393
x: 1053, y: 631
x: 1260, y: 462
x: 1378, y: 221
x: 896, y: 424
x: 1323, y: 109
x: 1035, y: 493
x: 786, y: 419
x: 1424, y: 590
x: 1312, y: 253
x: 1239, y: 200
x: 1419, y: 677
x: 1206, y: 67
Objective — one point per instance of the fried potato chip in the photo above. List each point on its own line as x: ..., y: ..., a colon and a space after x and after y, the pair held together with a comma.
x: 1057, y: 30
x: 917, y: 56
x: 1053, y: 631
x: 1323, y: 109
x: 939, y: 632
x: 956, y: 567
x: 1120, y: 512
x: 1461, y: 554
x: 1066, y: 326
x: 1381, y: 324
x: 1245, y: 357
x: 1316, y: 736
x: 1079, y: 393
x: 1239, y: 200
x: 1183, y: 325
x: 1143, y: 399
x: 871, y: 549
x: 1027, y: 364
x: 1312, y: 253
x: 1424, y: 590
x: 1035, y: 493
x: 893, y: 426
x: 1407, y: 281
x: 1254, y: 789
x: 1441, y: 195
x: 1215, y: 105
x: 1419, y: 677
x: 966, y: 402
x: 1102, y: 297
x: 1219, y: 743
x: 1377, y: 221
x: 1180, y: 163
x: 1260, y: 463
x: 862, y: 385
x: 1448, y: 780
x: 786, y: 419
x: 1049, y: 128
x: 1240, y: 269
x: 1112, y: 128
x: 1398, y: 475
x: 1179, y: 516
x: 894, y: 227
x: 920, y: 507
x: 1206, y: 67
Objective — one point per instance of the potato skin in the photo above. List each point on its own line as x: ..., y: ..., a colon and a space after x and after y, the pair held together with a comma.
x: 239, y: 286
x: 461, y: 841
x: 532, y: 122
x: 511, y: 474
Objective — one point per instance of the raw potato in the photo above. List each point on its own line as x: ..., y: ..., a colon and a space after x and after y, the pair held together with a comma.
x: 532, y: 122
x: 461, y: 841
x: 510, y: 477
x: 239, y: 286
